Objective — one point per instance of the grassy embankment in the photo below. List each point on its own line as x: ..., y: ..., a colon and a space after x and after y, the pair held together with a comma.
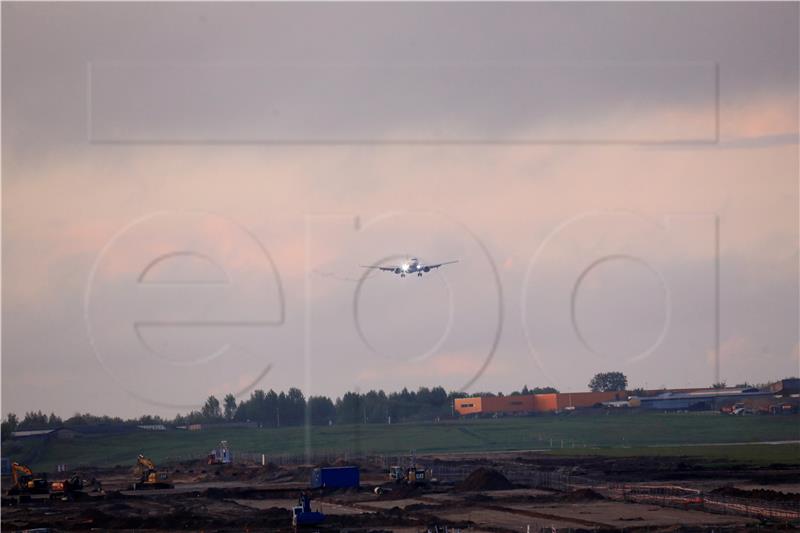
x: 616, y: 435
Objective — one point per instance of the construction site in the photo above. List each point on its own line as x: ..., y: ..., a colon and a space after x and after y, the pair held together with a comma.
x: 496, y: 492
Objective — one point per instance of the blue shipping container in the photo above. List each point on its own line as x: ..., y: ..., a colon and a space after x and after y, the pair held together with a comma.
x: 339, y: 477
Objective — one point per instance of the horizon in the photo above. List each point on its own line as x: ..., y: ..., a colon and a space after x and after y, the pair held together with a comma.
x: 449, y: 393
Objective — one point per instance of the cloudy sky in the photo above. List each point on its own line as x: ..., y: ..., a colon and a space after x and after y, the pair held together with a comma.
x: 189, y: 192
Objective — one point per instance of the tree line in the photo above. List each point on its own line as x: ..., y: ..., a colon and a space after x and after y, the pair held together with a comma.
x: 292, y: 408
x: 278, y: 409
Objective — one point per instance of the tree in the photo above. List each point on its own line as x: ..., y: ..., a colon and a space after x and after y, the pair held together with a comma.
x: 349, y: 408
x: 211, y: 409
x: 608, y: 381
x: 33, y: 420
x: 229, y: 403
x: 9, y: 425
x: 322, y: 410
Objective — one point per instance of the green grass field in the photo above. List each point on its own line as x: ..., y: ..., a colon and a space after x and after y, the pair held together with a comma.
x: 747, y: 454
x: 640, y: 434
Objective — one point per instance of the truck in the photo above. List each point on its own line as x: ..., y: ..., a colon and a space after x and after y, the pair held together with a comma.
x: 339, y: 477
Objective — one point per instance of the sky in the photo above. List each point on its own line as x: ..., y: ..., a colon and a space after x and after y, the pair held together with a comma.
x: 190, y: 192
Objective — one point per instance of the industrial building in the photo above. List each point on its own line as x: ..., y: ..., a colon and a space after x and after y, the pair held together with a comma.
x: 664, y: 400
x: 535, y: 403
x: 704, y: 400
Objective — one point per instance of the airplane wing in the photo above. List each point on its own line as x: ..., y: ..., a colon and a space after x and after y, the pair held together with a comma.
x: 386, y: 268
x: 442, y: 264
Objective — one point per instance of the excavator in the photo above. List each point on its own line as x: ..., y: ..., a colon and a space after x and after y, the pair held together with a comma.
x: 24, y: 483
x: 150, y: 477
x: 302, y: 515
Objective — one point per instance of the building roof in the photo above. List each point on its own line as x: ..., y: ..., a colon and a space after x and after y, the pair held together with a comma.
x: 705, y: 394
x: 89, y: 429
x: 31, y: 433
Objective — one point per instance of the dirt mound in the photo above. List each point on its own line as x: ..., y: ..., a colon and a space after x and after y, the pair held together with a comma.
x: 758, y: 494
x: 240, y: 472
x: 581, y: 495
x: 484, y: 479
x: 399, y: 492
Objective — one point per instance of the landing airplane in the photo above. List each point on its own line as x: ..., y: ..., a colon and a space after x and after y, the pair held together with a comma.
x: 410, y: 266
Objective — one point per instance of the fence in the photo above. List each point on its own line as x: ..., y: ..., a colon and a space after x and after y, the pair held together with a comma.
x: 662, y: 495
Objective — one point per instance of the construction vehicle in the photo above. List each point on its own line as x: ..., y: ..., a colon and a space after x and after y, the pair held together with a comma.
x: 149, y: 476
x: 221, y: 455
x: 66, y: 487
x: 302, y: 515
x: 412, y: 475
x: 24, y: 482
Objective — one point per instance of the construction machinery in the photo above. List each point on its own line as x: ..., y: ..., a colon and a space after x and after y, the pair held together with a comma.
x: 412, y: 475
x: 66, y: 487
x: 221, y: 455
x: 24, y: 482
x: 302, y: 515
x: 149, y: 476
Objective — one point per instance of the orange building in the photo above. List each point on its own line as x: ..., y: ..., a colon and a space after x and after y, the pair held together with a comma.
x: 495, y: 404
x: 534, y: 403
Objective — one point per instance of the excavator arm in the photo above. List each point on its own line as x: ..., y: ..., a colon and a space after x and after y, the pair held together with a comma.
x: 17, y: 470
x: 145, y: 463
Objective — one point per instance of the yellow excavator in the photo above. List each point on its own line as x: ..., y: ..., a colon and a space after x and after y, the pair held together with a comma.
x: 149, y: 476
x: 24, y: 482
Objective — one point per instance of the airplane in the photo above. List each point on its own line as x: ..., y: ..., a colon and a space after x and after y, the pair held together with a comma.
x: 410, y: 266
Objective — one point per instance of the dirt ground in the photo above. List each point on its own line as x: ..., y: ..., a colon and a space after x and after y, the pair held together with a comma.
x: 257, y: 498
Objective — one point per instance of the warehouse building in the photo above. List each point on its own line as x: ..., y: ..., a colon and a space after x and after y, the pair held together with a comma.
x: 535, y: 403
x: 663, y: 400
x: 704, y: 400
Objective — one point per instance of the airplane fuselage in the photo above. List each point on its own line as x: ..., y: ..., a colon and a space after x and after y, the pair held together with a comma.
x: 412, y: 266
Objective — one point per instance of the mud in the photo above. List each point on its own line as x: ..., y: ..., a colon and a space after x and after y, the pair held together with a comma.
x: 240, y: 497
